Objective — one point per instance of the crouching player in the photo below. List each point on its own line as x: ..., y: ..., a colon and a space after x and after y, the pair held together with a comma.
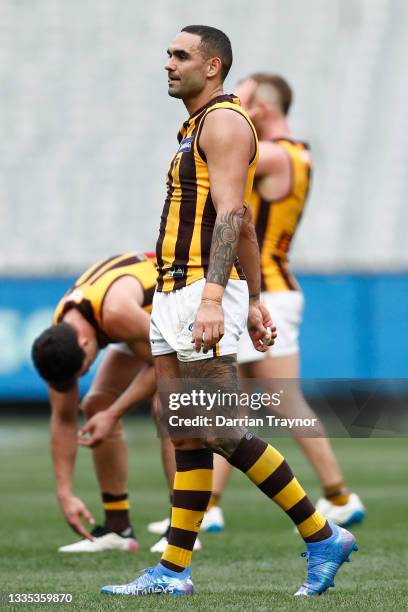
x: 108, y: 306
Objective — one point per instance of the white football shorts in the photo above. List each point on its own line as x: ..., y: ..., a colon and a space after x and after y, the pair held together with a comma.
x: 286, y: 310
x: 173, y: 316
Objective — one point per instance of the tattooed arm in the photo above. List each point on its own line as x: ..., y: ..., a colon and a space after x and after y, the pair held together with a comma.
x: 228, y: 143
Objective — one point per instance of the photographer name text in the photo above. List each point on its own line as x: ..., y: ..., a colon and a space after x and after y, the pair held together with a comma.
x: 219, y: 420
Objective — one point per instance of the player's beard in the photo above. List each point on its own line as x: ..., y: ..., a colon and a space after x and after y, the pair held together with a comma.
x: 174, y: 94
x: 187, y: 88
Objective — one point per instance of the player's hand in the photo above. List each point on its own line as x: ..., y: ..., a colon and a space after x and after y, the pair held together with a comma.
x: 260, y: 327
x: 98, y: 427
x: 74, y: 509
x: 208, y: 326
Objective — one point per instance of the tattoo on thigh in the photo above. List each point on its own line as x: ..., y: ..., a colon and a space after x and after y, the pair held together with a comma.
x: 221, y: 375
x: 223, y: 369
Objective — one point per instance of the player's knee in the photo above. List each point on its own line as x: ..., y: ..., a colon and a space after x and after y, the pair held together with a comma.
x: 224, y: 446
x: 92, y: 404
x: 117, y: 431
x: 89, y: 407
x: 187, y: 444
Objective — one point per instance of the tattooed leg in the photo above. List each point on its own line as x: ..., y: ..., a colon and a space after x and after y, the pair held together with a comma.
x: 221, y: 373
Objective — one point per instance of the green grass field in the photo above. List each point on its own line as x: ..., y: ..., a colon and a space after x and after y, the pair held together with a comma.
x: 253, y: 565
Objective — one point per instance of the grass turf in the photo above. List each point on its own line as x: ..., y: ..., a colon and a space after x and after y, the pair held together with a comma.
x: 253, y: 565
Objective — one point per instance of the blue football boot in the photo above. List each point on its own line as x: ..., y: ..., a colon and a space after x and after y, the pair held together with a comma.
x: 324, y: 559
x: 154, y: 581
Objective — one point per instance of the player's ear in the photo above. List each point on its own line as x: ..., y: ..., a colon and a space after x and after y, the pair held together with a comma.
x: 83, y: 341
x: 261, y: 110
x: 257, y: 111
x: 214, y: 67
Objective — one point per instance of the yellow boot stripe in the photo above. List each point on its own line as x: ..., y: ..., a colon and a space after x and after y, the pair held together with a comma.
x: 186, y: 519
x: 117, y: 505
x: 194, y: 480
x: 178, y: 556
x: 311, y: 525
x: 267, y: 463
x: 290, y: 495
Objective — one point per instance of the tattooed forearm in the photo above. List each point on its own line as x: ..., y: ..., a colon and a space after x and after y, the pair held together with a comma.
x: 224, y: 246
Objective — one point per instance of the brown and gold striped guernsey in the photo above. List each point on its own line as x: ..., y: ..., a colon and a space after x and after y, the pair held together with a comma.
x: 89, y: 291
x: 276, y: 221
x: 188, y: 218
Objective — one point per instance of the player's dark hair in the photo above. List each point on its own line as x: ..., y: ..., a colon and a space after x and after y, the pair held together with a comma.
x: 57, y: 356
x: 214, y: 43
x: 280, y: 84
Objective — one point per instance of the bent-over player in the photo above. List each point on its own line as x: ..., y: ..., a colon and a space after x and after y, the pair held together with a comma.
x: 109, y: 306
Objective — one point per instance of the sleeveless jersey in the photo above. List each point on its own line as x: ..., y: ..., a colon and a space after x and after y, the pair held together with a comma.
x: 276, y: 221
x: 89, y: 291
x: 188, y: 218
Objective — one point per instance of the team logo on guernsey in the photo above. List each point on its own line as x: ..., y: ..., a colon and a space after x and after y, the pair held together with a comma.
x: 185, y: 145
x: 176, y: 272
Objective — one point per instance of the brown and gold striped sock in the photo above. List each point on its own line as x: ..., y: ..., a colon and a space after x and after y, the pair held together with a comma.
x: 116, y: 511
x: 337, y: 494
x: 191, y: 493
x: 267, y: 468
